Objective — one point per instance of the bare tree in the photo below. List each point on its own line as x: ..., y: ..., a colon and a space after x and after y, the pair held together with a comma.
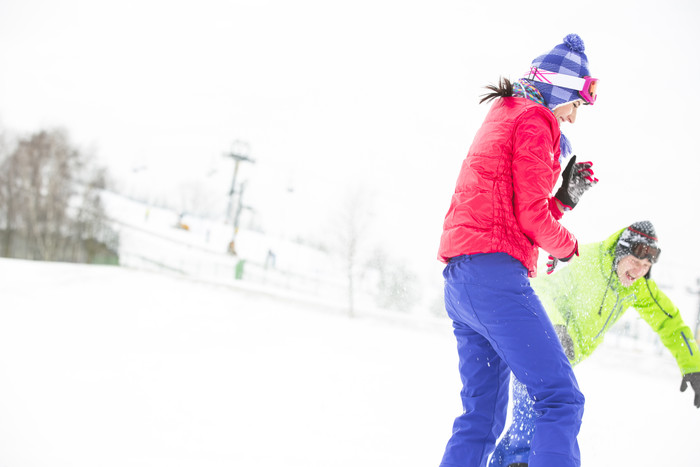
x: 47, y: 163
x: 49, y: 199
x: 8, y: 195
x: 396, y: 287
x: 352, y: 223
x: 89, y: 224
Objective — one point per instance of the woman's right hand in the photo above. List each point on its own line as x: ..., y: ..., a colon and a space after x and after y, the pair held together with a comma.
x: 576, y: 179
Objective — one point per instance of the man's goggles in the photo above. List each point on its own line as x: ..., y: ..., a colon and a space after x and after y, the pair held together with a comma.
x: 644, y: 251
x: 587, y: 87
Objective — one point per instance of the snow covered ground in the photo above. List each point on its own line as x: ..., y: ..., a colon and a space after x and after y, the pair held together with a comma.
x: 108, y: 366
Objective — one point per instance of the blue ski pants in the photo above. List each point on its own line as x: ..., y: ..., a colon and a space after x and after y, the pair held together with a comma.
x: 514, y: 447
x: 501, y: 326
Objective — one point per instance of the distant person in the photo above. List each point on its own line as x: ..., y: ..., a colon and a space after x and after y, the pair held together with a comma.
x: 501, y: 213
x: 584, y: 300
x: 270, y: 259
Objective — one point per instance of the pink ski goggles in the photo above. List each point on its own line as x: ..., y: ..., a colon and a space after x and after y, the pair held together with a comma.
x: 587, y: 86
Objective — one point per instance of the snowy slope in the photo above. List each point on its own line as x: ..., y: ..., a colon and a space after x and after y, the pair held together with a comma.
x: 109, y: 366
x: 149, y: 240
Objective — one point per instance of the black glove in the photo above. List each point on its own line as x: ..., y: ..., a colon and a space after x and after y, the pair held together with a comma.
x: 575, y: 180
x: 694, y: 380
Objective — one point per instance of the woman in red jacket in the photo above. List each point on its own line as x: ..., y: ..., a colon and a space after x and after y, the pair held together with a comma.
x: 501, y: 212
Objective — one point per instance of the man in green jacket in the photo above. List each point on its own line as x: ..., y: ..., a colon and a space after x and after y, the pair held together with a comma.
x: 584, y: 300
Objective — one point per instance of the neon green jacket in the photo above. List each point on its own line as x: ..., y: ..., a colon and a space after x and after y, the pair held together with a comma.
x: 587, y: 297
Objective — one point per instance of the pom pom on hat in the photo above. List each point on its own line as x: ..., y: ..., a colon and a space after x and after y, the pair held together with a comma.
x: 575, y: 43
x: 567, y: 58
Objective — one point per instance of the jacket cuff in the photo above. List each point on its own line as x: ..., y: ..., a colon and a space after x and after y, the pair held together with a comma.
x: 554, y: 208
x: 575, y: 252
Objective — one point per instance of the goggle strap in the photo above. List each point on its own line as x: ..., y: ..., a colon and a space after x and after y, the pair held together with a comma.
x: 556, y: 79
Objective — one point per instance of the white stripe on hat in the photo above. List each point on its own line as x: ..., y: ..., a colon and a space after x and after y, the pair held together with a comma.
x: 555, y: 79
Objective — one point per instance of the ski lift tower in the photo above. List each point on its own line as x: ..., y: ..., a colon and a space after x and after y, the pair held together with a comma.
x: 239, y: 153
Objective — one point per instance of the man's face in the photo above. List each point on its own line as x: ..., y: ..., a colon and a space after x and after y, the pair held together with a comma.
x: 629, y: 269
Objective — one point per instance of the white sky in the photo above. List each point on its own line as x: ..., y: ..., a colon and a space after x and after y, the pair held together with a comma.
x: 380, y: 94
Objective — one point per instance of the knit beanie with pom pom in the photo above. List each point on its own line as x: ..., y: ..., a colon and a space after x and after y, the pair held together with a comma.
x: 568, y: 59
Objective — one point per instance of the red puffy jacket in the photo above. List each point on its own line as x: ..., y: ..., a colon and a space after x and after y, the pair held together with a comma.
x: 503, y: 202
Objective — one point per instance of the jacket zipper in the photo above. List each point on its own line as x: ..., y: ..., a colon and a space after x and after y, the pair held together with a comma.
x: 615, y: 310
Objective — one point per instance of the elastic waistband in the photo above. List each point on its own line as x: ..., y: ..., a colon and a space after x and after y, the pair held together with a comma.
x: 473, y: 255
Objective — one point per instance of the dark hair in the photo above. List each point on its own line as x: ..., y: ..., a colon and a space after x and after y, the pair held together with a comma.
x: 504, y: 89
